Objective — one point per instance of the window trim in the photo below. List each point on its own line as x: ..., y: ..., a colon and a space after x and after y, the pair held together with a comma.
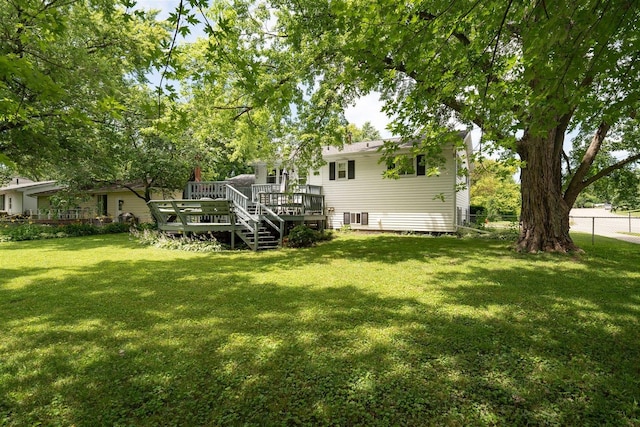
x: 345, y: 170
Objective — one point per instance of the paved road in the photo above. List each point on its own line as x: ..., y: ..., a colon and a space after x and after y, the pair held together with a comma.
x: 605, y: 223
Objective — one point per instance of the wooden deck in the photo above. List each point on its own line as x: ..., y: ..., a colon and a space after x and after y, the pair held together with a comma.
x: 193, y: 215
x: 258, y: 214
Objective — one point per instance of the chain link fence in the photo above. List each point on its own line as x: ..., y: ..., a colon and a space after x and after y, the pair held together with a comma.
x: 624, y: 227
x: 595, y: 222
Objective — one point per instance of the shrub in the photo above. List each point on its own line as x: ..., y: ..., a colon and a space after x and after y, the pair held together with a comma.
x: 76, y: 230
x: 302, y: 236
x: 116, y: 227
x: 29, y: 231
x: 197, y: 243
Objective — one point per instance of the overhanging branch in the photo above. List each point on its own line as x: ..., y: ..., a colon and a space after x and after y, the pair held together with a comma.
x: 608, y: 170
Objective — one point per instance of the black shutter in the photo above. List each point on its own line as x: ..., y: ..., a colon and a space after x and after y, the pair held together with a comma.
x: 351, y: 169
x: 364, y: 218
x: 332, y: 171
x: 421, y: 168
x: 346, y: 218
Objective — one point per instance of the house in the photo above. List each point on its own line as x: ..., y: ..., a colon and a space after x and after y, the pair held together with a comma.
x: 349, y: 190
x: 107, y: 202
x: 356, y: 193
x: 18, y: 196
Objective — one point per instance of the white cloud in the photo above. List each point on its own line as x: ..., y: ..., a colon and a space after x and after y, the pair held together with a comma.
x: 369, y: 109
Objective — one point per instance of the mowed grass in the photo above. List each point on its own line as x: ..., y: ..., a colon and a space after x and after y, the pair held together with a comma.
x: 364, y: 330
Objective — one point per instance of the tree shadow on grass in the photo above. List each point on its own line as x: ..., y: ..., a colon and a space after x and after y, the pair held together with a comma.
x: 205, y: 340
x: 115, y: 241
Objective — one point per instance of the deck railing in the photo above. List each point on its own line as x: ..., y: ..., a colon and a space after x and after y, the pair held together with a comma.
x: 61, y: 214
x: 293, y: 203
x: 239, y: 199
x: 210, y: 189
x: 300, y: 200
x: 256, y: 189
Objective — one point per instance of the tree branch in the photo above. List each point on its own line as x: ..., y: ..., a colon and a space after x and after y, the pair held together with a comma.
x: 578, y: 182
x: 608, y: 170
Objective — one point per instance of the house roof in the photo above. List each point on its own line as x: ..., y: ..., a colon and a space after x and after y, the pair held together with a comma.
x: 25, y: 186
x: 358, y: 147
x: 242, y: 180
x: 364, y: 147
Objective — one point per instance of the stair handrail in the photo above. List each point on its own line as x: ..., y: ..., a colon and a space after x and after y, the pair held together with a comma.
x: 240, y: 204
x: 266, y: 214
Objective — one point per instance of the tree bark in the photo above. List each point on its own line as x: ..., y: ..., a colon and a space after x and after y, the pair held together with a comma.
x: 545, y: 214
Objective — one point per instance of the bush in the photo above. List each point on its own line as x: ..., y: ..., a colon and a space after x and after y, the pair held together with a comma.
x: 77, y: 230
x: 302, y: 236
x: 29, y: 231
x: 197, y: 243
x: 116, y: 227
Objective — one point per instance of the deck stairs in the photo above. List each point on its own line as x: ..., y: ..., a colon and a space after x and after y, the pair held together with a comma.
x: 258, y: 226
x: 266, y: 239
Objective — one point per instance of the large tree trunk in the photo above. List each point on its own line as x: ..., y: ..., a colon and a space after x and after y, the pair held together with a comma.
x: 545, y: 215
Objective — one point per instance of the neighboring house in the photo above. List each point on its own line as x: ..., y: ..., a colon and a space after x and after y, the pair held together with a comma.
x: 19, y: 196
x: 356, y: 193
x: 111, y: 202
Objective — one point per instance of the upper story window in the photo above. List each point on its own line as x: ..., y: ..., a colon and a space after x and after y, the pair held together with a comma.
x: 342, y: 170
x: 409, y: 166
x: 274, y: 176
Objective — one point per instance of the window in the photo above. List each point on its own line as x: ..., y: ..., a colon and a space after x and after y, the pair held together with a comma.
x: 361, y: 218
x: 102, y: 204
x: 10, y: 203
x: 409, y: 166
x: 272, y: 176
x: 1, y: 202
x: 302, y: 177
x: 344, y: 169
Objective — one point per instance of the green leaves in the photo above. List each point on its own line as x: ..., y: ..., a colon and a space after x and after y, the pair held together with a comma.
x: 65, y: 70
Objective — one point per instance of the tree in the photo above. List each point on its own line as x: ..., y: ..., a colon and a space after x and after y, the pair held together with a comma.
x: 526, y: 73
x: 366, y: 133
x: 493, y: 188
x: 247, y: 97
x: 369, y: 133
x: 65, y: 69
x: 139, y: 151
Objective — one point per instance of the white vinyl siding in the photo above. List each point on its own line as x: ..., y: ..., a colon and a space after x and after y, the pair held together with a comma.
x: 463, y: 196
x: 406, y: 204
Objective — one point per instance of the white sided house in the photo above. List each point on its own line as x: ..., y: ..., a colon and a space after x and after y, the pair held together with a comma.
x: 349, y: 190
x: 357, y: 195
x: 18, y: 197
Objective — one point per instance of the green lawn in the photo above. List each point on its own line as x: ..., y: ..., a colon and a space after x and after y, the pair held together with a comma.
x: 364, y: 330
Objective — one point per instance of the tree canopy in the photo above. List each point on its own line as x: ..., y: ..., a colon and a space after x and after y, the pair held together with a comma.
x: 526, y: 73
x: 366, y: 133
x: 493, y: 188
x: 65, y: 71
